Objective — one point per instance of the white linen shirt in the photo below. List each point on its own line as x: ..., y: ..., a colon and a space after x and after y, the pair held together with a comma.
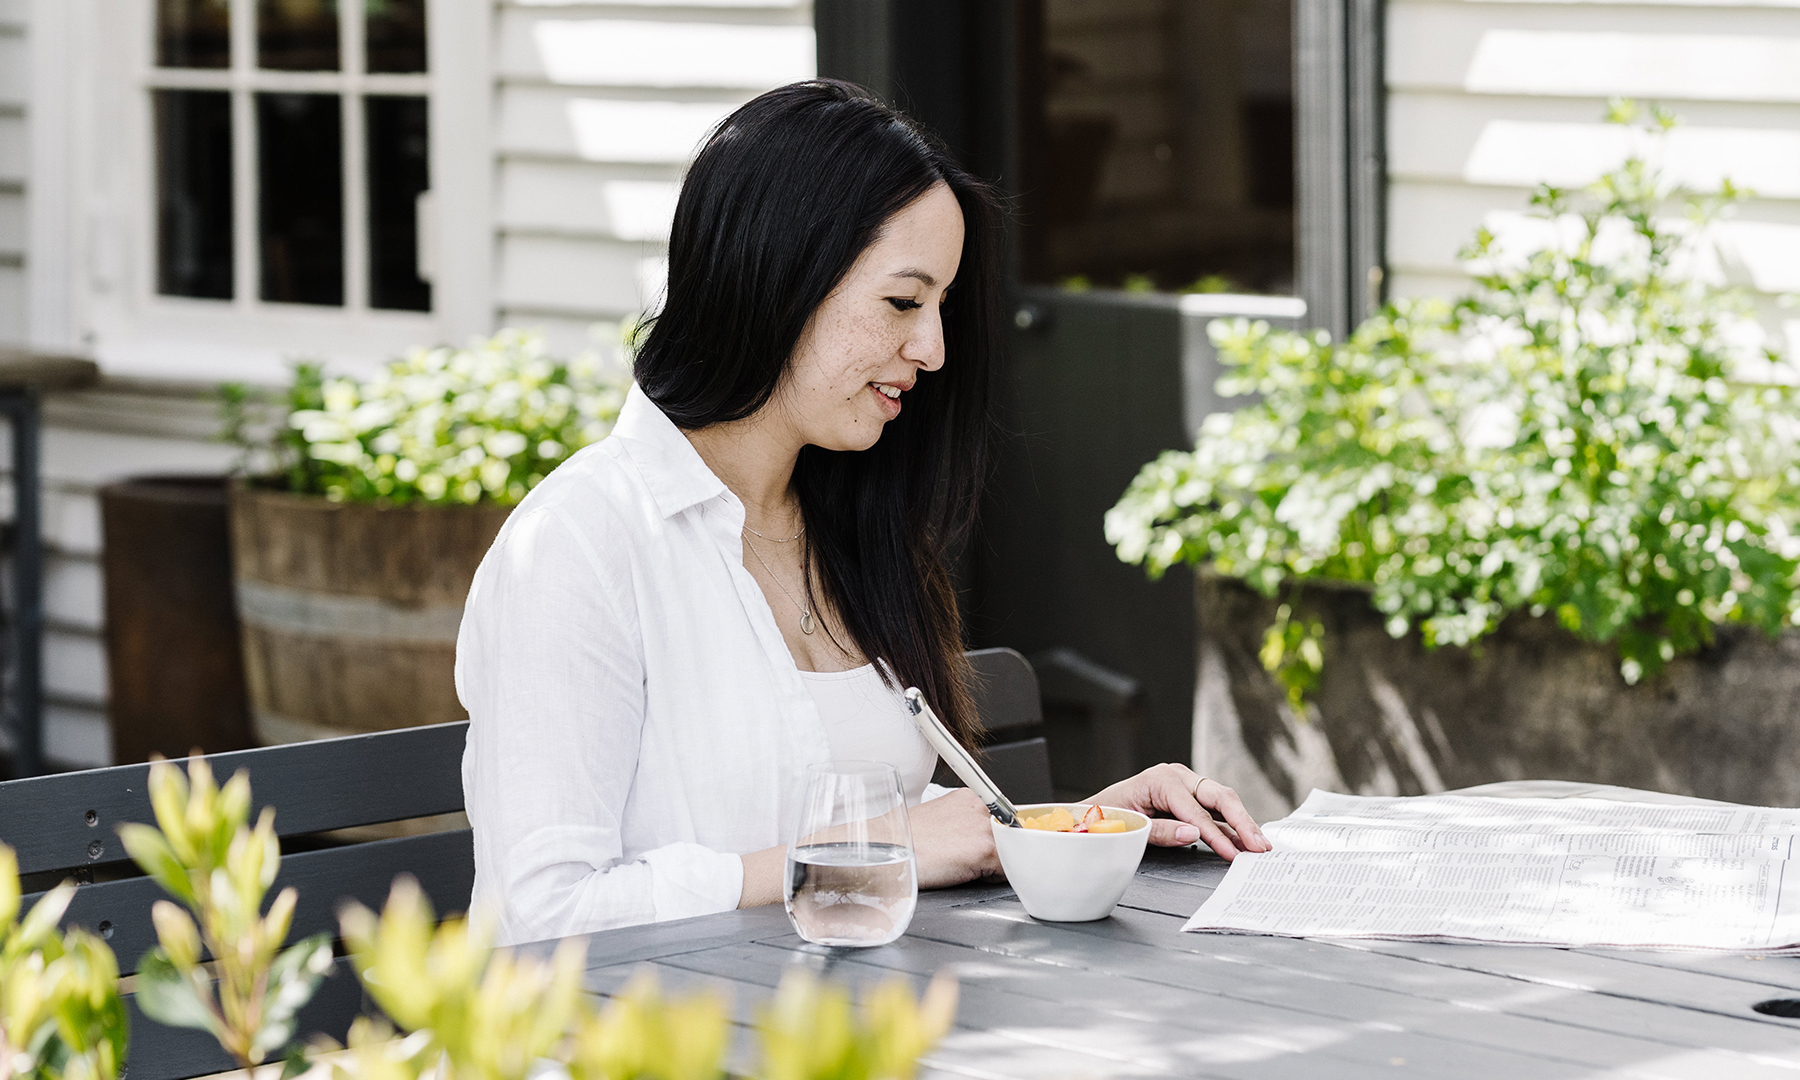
x: 636, y: 720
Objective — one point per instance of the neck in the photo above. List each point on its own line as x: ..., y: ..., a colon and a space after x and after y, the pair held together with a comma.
x: 756, y: 461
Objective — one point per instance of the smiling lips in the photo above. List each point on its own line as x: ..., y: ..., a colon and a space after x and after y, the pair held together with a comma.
x: 889, y: 396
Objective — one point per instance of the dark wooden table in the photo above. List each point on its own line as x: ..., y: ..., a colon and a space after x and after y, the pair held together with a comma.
x: 1133, y: 996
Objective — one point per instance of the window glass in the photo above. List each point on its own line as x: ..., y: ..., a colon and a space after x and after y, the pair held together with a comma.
x: 1156, y: 144
x: 398, y: 175
x: 297, y: 35
x: 193, y: 193
x: 396, y: 35
x: 301, y: 209
x: 193, y: 33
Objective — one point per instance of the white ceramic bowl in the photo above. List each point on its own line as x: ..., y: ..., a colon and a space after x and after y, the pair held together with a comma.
x: 1071, y: 877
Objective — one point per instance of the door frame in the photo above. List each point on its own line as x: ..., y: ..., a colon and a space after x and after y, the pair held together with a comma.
x: 950, y: 64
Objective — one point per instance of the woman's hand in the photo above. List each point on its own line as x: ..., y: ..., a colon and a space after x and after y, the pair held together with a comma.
x: 952, y: 840
x: 1177, y: 801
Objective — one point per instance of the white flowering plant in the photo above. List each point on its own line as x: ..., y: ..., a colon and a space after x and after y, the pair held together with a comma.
x: 481, y: 424
x: 1597, y: 432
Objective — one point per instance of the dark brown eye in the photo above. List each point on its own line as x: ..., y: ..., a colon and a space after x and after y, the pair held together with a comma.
x: 901, y: 303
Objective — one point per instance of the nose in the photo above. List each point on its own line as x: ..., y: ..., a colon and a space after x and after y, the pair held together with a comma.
x: 925, y: 346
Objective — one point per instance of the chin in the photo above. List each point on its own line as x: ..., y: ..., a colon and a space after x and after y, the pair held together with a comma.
x: 851, y: 440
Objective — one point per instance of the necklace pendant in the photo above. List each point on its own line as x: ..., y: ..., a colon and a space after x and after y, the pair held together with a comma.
x: 806, y: 622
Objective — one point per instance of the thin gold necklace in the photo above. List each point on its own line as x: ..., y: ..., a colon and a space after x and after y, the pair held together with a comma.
x: 807, y: 625
x: 777, y: 539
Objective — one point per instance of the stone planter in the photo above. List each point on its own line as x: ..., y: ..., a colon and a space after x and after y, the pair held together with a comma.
x: 1530, y: 702
x: 350, y: 611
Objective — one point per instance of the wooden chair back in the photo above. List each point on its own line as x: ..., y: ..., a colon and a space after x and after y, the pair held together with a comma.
x: 64, y: 826
x: 1011, y: 710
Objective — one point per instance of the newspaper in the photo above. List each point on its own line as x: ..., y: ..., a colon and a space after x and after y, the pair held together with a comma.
x: 1566, y: 872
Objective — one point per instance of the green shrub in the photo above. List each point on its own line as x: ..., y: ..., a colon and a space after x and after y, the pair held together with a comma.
x: 480, y: 424
x: 1595, y: 432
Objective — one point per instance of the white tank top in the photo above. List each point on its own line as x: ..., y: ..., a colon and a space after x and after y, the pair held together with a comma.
x: 866, y: 721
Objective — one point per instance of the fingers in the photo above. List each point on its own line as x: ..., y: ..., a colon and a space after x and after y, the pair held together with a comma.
x: 1176, y: 791
x: 1216, y: 839
x: 1167, y: 832
x: 1217, y: 796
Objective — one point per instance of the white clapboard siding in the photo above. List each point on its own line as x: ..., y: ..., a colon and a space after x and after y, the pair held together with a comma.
x: 13, y: 74
x: 599, y: 109
x: 1487, y: 99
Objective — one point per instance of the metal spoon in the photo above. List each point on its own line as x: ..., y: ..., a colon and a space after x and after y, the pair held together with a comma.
x: 959, y: 760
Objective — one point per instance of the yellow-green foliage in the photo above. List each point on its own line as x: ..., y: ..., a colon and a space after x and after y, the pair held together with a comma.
x: 60, y: 1014
x: 482, y: 1014
x: 204, y: 854
x: 640, y: 1034
x: 811, y: 1032
x: 493, y: 1015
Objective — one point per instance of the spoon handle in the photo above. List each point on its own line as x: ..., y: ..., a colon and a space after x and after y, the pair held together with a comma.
x: 959, y: 760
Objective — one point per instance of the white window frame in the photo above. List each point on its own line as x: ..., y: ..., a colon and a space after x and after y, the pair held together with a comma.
x: 101, y: 255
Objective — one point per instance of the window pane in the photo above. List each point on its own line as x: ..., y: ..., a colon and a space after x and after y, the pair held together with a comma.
x: 193, y: 193
x: 1156, y: 144
x: 396, y: 35
x: 301, y: 209
x: 297, y: 35
x: 193, y: 33
x: 398, y: 172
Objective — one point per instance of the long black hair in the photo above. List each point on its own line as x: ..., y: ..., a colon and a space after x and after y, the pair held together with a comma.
x: 785, y: 195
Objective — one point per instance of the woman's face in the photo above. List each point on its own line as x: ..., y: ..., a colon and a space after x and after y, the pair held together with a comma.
x: 870, y: 340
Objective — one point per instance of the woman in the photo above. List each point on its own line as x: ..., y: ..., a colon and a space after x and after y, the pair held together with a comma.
x: 682, y: 617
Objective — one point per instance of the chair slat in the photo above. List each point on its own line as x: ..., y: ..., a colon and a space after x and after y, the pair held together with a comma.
x: 67, y: 821
x: 443, y: 863
x: 1022, y: 769
x: 165, y: 1053
x: 1006, y: 689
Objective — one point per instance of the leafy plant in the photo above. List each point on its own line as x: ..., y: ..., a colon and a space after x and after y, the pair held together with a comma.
x: 1593, y: 433
x: 810, y: 1032
x: 60, y: 1014
x: 640, y: 1034
x: 480, y: 424
x: 203, y: 854
x: 491, y: 1015
x: 484, y: 1014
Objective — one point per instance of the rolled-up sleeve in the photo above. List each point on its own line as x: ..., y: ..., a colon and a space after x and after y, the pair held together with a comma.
x: 550, y: 668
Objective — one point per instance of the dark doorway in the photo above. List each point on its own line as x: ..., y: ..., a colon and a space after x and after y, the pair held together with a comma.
x: 1153, y: 150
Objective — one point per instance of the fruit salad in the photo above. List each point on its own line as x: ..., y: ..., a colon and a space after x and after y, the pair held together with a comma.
x: 1060, y: 820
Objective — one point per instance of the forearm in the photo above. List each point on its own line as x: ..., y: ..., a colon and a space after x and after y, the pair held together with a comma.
x: 762, y: 876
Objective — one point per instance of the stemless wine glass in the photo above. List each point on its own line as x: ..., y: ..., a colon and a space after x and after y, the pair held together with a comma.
x: 850, y: 873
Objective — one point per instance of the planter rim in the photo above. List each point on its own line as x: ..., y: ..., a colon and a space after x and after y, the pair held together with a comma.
x: 170, y: 488
x: 242, y: 487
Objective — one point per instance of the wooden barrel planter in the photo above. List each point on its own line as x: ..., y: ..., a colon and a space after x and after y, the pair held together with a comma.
x: 350, y: 611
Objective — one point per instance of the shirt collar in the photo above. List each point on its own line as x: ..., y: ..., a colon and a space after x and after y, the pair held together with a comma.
x: 673, y: 470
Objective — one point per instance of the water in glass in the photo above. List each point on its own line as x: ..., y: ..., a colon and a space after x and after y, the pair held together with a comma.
x: 850, y: 873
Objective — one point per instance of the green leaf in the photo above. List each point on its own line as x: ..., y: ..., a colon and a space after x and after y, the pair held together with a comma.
x: 295, y: 1063
x: 150, y: 849
x: 293, y: 979
x: 168, y: 998
x: 38, y: 930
